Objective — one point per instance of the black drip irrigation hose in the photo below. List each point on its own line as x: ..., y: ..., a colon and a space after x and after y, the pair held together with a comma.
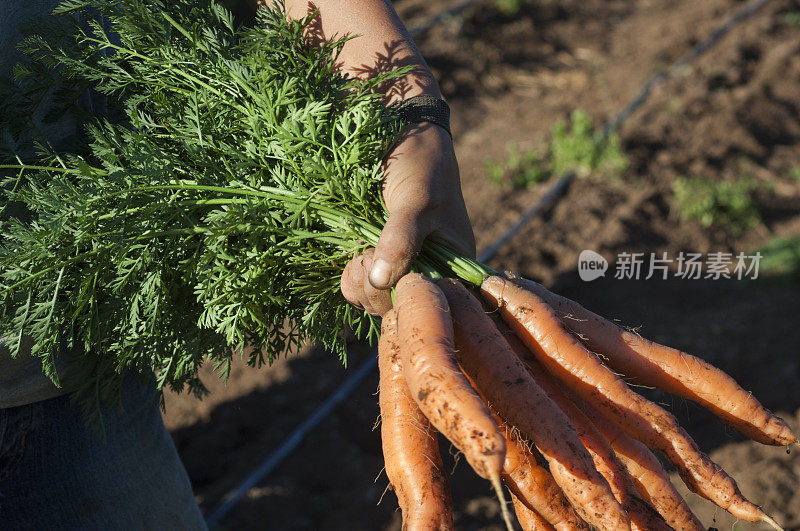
x: 559, y: 187
x: 698, y: 50
x: 232, y: 498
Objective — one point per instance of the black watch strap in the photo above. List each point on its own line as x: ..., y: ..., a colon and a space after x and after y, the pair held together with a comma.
x: 424, y: 109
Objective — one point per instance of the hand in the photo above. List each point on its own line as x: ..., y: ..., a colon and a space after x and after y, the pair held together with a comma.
x: 422, y: 192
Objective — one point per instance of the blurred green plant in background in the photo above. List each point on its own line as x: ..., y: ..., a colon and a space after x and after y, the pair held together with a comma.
x: 725, y: 204
x: 574, y: 146
x: 508, y: 8
x: 792, y: 18
x: 780, y: 257
x: 520, y: 168
x: 577, y: 146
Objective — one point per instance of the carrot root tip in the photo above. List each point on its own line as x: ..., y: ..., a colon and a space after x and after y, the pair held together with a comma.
x: 771, y: 522
x: 498, y: 489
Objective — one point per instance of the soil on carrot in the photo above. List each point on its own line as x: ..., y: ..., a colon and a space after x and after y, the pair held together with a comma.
x: 733, y: 115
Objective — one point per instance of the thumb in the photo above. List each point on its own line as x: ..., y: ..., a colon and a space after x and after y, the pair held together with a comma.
x: 398, y: 246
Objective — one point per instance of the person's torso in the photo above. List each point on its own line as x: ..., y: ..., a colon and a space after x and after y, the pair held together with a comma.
x: 21, y: 378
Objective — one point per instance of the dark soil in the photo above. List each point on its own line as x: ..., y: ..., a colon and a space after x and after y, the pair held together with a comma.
x: 734, y: 113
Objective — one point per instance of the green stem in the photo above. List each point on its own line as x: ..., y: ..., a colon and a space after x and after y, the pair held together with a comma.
x: 460, y: 266
x: 333, y: 218
x: 427, y: 269
x: 434, y: 257
x: 29, y: 167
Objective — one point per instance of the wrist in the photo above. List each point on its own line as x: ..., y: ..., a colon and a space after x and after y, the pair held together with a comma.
x: 428, y: 131
x: 418, y: 82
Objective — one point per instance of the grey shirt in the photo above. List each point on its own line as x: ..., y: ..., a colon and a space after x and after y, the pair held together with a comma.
x: 21, y: 378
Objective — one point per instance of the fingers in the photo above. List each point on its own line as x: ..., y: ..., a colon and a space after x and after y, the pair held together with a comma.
x: 398, y: 246
x: 422, y: 192
x: 357, y: 289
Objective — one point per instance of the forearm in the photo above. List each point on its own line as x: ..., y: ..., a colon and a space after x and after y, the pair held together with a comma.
x: 383, y: 43
x: 421, y: 187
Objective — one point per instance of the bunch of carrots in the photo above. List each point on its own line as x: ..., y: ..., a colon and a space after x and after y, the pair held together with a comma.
x: 531, y: 388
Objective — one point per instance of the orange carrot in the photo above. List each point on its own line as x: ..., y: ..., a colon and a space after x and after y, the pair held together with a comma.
x: 488, y: 360
x: 529, y: 520
x: 535, y: 487
x: 651, y: 480
x: 437, y: 384
x: 533, y: 321
x: 410, y: 445
x: 643, y: 517
x: 656, y: 365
